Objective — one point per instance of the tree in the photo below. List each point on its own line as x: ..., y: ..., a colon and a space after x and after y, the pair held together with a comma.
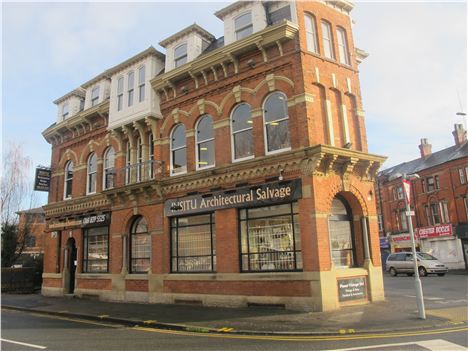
x: 16, y: 192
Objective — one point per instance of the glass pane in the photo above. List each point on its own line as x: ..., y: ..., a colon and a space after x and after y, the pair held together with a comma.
x: 178, y: 136
x: 92, y: 163
x: 109, y: 159
x: 342, y: 258
x: 241, y: 118
x: 243, y: 144
x: 141, y: 75
x: 338, y: 207
x: 194, y: 220
x: 206, y: 155
x: 278, y: 135
x: 243, y: 20
x: 180, y: 61
x: 179, y: 51
x: 242, y: 33
x: 120, y: 85
x: 269, y: 211
x: 205, y: 128
x: 131, y: 80
x: 179, y: 160
x: 276, y: 107
x: 92, y: 183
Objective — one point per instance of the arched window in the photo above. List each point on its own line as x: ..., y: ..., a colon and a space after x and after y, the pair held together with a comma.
x: 67, y: 191
x: 342, y: 241
x: 311, y: 33
x: 109, y: 171
x: 327, y: 38
x: 276, y: 119
x: 205, y: 142
x: 92, y: 171
x: 342, y: 45
x: 140, y: 246
x: 243, y: 25
x: 241, y: 128
x: 139, y: 159
x: 178, y: 150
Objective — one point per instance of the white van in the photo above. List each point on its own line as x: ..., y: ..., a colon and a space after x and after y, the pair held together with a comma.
x: 402, y: 262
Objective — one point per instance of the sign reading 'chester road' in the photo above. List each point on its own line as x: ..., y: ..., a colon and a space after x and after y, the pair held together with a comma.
x: 239, y: 197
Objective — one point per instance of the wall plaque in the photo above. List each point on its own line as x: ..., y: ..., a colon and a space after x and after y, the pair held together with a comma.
x: 352, y: 289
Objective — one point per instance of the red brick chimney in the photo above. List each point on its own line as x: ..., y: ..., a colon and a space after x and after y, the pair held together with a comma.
x: 425, y: 148
x: 459, y: 134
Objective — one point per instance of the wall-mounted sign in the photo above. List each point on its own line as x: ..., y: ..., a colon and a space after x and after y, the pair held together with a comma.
x: 434, y: 231
x: 96, y: 220
x: 269, y: 193
x: 42, y: 179
x: 352, y: 289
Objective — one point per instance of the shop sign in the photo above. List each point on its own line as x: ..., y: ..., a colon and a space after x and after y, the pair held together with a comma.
x: 384, y: 243
x: 96, y: 220
x: 352, y: 289
x: 270, y: 193
x: 42, y: 179
x: 434, y: 231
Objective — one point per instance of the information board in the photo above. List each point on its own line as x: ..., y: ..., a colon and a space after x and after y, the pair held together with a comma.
x: 352, y: 289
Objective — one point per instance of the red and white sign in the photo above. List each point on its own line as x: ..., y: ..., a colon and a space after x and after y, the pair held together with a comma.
x: 407, y: 188
x: 434, y: 231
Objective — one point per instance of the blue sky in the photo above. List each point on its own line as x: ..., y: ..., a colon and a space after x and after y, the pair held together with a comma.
x: 413, y: 82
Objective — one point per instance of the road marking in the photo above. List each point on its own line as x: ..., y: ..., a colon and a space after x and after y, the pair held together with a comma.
x: 24, y: 344
x: 304, y: 338
x: 433, y: 345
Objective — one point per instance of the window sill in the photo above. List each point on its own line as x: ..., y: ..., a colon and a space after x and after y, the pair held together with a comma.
x: 268, y: 153
x: 243, y: 159
x: 204, y: 168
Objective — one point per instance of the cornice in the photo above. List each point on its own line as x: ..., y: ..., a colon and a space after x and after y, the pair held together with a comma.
x: 192, y: 28
x: 271, y: 35
x: 231, y: 8
x: 79, y: 92
x: 88, y: 203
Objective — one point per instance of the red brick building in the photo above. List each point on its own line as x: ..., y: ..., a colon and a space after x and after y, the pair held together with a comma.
x: 440, y: 202
x: 229, y: 171
x: 33, y: 223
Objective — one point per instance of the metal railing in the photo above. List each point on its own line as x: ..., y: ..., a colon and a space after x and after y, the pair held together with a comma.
x: 135, y: 173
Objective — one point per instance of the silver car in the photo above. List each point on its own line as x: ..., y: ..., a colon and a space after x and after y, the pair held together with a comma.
x: 402, y: 262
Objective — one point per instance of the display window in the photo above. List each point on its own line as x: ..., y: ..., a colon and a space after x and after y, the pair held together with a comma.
x: 270, y: 238
x: 96, y: 250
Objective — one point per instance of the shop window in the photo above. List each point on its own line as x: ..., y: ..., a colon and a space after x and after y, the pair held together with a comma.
x: 178, y: 150
x: 342, y: 241
x: 96, y: 250
x: 120, y: 83
x: 94, y: 96
x: 109, y: 170
x: 67, y: 192
x: 140, y: 247
x: 276, y: 120
x: 130, y: 87
x: 242, y: 136
x: 311, y: 33
x: 270, y: 239
x: 327, y: 39
x: 141, y: 84
x: 435, y: 214
x: 444, y: 214
x: 91, y: 172
x: 205, y: 142
x: 65, y: 110
x: 243, y: 25
x: 461, y: 173
x: 180, y: 55
x: 430, y: 185
x: 193, y: 244
x: 151, y: 155
x: 342, y: 46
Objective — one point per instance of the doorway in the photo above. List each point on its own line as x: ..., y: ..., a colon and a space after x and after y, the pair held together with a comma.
x: 71, y: 266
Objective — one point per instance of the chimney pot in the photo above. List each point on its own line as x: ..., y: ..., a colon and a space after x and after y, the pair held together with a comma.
x: 425, y: 148
x: 459, y: 134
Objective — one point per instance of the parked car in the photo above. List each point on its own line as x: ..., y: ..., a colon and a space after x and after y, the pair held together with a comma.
x: 402, y: 262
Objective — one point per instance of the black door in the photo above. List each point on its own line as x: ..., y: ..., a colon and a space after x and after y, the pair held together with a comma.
x: 72, y: 265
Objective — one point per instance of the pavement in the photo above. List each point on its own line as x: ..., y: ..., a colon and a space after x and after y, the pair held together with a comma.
x: 397, y: 313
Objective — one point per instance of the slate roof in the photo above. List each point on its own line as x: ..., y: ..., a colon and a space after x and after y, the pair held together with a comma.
x: 437, y: 158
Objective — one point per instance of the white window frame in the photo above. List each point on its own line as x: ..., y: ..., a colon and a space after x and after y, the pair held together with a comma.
x: 65, y: 197
x: 130, y: 88
x: 265, y: 135
x: 343, y: 50
x: 105, y: 167
x: 328, y: 41
x: 65, y: 110
x: 89, y: 174
x: 141, y: 84
x: 198, y: 142
x: 139, y: 160
x: 431, y: 207
x: 237, y: 30
x: 178, y: 58
x: 151, y: 155
x: 95, y: 99
x: 171, y: 150
x: 233, y: 153
x: 444, y: 214
x: 311, y: 33
x: 128, y: 163
x: 120, y: 92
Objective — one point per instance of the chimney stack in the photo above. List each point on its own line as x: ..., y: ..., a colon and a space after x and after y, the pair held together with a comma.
x: 459, y: 134
x: 425, y: 148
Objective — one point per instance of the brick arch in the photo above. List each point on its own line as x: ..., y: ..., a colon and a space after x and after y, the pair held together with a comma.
x: 353, y: 196
x: 68, y: 155
x: 92, y: 146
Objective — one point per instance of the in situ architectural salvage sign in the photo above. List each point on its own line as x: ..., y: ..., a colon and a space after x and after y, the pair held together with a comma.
x: 283, y: 191
x: 352, y: 289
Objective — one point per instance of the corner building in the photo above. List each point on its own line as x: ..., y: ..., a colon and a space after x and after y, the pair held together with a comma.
x: 230, y: 171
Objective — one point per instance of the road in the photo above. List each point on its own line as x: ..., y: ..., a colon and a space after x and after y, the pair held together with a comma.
x: 37, y: 332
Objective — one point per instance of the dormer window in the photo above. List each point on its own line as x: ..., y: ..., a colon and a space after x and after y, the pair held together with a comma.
x: 180, y: 55
x: 141, y: 84
x: 94, y: 96
x: 120, y: 88
x: 243, y: 25
x: 65, y: 110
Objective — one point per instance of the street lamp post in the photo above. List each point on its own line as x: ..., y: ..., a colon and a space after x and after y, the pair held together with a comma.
x: 417, y: 280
